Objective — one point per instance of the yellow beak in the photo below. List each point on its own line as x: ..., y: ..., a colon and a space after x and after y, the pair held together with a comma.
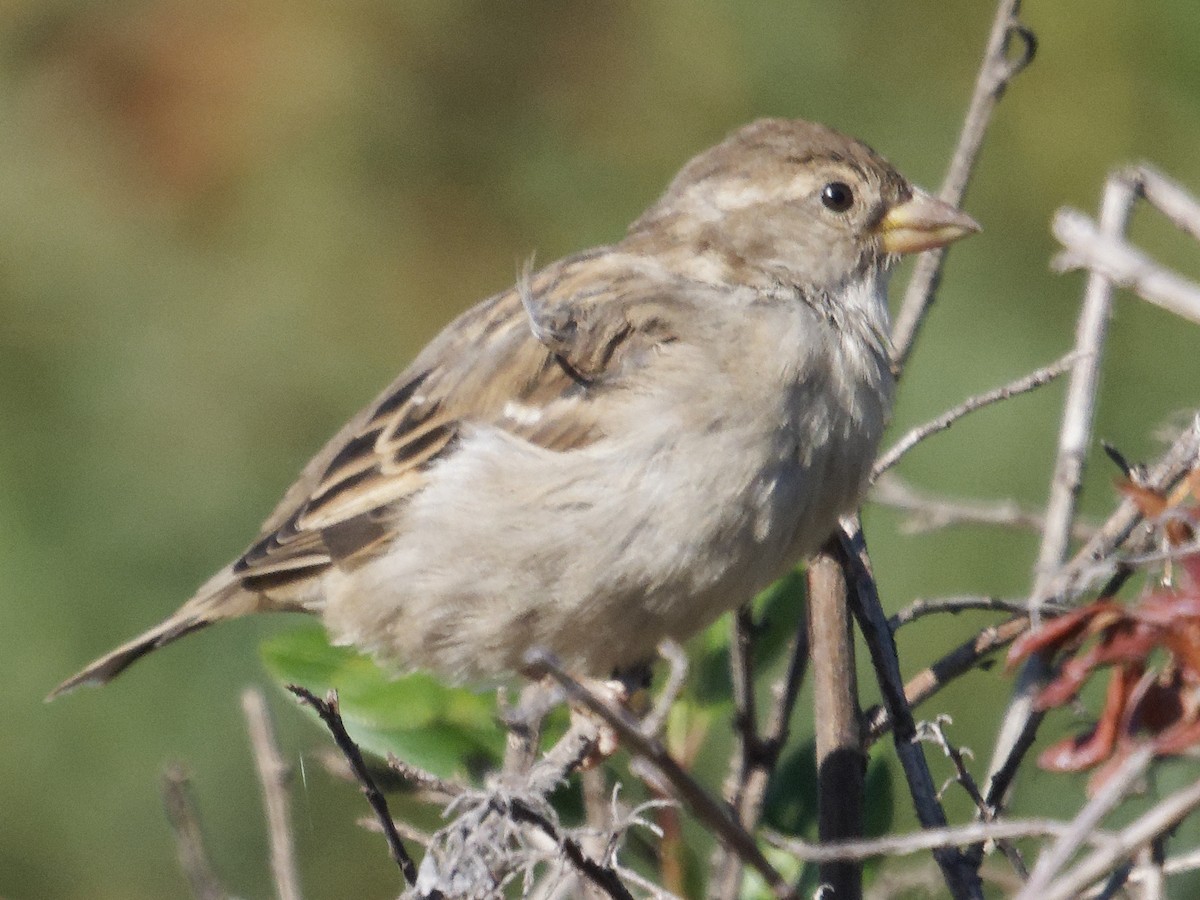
x: 923, y: 223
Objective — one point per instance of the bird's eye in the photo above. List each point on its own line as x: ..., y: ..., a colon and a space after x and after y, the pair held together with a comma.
x: 837, y: 196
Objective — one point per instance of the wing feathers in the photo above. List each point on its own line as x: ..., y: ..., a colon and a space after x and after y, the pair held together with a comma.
x: 532, y: 361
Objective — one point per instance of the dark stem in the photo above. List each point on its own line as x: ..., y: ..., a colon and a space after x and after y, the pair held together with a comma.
x: 327, y: 709
x: 961, y: 877
x: 841, y: 764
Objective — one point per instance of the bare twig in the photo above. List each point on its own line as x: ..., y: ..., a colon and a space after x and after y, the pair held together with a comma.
x: 1079, y: 410
x: 928, y: 839
x: 961, y: 878
x: 928, y: 512
x: 655, y: 721
x: 1051, y: 862
x: 841, y: 763
x: 407, y: 832
x: 1020, y: 723
x: 920, y: 608
x: 1088, y: 248
x: 998, y: 69
x: 434, y: 787
x: 1158, y: 821
x: 274, y: 775
x: 327, y: 709
x: 712, y: 813
x: 1024, y: 385
x: 1168, y: 197
x: 1152, y: 880
x: 726, y: 879
x: 189, y: 840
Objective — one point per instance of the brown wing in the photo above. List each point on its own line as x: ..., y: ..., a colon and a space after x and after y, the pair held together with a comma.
x: 531, y: 361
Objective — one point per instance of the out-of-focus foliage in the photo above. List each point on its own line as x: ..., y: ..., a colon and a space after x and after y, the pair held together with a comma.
x: 441, y: 729
x: 226, y: 225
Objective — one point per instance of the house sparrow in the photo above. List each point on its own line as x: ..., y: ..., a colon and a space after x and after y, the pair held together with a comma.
x: 618, y: 449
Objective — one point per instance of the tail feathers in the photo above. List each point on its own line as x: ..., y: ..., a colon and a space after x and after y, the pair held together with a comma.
x: 217, y: 600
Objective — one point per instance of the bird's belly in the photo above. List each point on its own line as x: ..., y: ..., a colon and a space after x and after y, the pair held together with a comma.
x: 595, y: 554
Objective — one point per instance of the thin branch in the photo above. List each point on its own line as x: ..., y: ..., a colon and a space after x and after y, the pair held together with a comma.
x: 655, y: 721
x: 712, y: 813
x: 274, y: 775
x: 1126, y: 266
x: 725, y: 882
x: 1020, y: 725
x: 1023, y: 385
x: 189, y: 839
x: 1021, y: 720
x: 961, y: 878
x: 998, y: 69
x: 435, y: 787
x: 962, y: 659
x: 1051, y: 862
x: 928, y: 512
x: 920, y: 608
x: 1158, y: 821
x: 1153, y: 880
x: 407, y: 832
x: 1079, y: 410
x: 928, y: 839
x: 328, y: 711
x: 1168, y: 197
x: 524, y: 724
x: 754, y: 761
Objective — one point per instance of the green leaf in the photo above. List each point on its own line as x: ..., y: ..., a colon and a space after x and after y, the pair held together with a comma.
x: 446, y: 730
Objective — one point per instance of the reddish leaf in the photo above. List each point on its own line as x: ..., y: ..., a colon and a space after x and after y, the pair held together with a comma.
x: 1093, y: 747
x: 1054, y: 634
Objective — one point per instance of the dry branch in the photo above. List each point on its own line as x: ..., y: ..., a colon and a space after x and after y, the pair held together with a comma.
x: 1023, y: 385
x: 928, y: 512
x: 274, y: 776
x: 189, y: 839
x: 999, y: 68
x: 1087, y: 247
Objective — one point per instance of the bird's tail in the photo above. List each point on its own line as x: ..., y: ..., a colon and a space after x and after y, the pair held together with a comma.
x: 223, y: 597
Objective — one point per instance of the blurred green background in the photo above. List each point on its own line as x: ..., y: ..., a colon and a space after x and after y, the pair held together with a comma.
x: 225, y: 225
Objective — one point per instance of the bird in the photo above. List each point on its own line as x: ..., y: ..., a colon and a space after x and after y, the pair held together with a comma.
x: 620, y: 447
